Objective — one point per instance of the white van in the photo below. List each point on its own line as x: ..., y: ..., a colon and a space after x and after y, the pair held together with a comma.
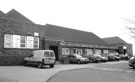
x: 40, y: 58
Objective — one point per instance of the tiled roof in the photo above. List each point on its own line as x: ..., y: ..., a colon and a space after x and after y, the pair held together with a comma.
x: 1, y: 14
x: 72, y: 35
x: 15, y: 15
x: 114, y: 40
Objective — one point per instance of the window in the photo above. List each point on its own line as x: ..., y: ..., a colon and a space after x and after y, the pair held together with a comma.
x: 46, y: 54
x: 52, y: 54
x: 78, y: 51
x: 36, y: 42
x: 23, y: 42
x: 65, y: 51
x: 18, y: 41
x: 98, y: 51
x: 105, y: 51
x: 88, y: 51
x: 8, y: 41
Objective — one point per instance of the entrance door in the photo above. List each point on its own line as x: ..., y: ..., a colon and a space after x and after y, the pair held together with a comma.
x: 55, y: 49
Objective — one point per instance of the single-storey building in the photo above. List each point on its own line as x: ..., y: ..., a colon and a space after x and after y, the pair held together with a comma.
x: 123, y: 46
x: 20, y: 36
x: 65, y: 41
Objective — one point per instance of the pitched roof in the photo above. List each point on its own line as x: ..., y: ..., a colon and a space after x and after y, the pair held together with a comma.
x: 73, y: 35
x: 114, y: 40
x: 1, y: 14
x: 15, y: 15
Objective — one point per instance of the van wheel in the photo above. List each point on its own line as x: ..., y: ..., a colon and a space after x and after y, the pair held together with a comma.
x: 39, y: 65
x: 51, y: 66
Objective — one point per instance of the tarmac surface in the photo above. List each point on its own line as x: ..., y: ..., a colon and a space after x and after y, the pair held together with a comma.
x: 33, y: 74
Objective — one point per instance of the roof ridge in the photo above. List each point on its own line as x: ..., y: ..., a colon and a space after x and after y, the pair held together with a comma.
x: 2, y: 13
x: 15, y: 15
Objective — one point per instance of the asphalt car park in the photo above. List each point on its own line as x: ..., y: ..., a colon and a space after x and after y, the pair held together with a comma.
x: 32, y: 74
x: 103, y: 72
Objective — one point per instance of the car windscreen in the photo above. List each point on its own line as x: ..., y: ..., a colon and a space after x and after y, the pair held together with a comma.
x: 52, y: 54
x: 78, y: 56
x: 46, y: 54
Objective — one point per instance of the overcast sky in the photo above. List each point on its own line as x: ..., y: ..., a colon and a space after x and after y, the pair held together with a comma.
x: 102, y: 17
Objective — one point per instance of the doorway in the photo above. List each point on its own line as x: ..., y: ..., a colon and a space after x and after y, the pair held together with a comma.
x: 55, y: 49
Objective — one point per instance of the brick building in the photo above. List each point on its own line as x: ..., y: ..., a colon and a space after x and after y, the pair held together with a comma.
x: 123, y: 47
x: 20, y: 36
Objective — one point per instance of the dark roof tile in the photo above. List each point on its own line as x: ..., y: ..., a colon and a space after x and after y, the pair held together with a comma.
x: 15, y: 15
x: 114, y: 40
x: 73, y: 35
x: 1, y: 14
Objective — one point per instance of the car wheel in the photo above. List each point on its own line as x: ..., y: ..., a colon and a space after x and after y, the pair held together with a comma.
x: 70, y: 62
x: 51, y: 66
x: 25, y: 63
x: 90, y: 61
x: 78, y: 62
x: 39, y: 65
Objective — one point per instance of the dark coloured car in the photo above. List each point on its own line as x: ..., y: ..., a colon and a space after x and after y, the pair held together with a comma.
x: 76, y: 58
x: 104, y: 59
x: 124, y: 57
x: 132, y: 62
x: 93, y: 58
x: 111, y: 57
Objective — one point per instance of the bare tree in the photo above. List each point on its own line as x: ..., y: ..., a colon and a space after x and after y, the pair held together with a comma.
x: 130, y: 25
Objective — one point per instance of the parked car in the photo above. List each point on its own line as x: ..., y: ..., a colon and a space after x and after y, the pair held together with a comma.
x: 111, y: 57
x: 104, y: 59
x: 40, y: 58
x: 76, y: 58
x: 124, y: 57
x: 93, y: 58
x: 131, y: 62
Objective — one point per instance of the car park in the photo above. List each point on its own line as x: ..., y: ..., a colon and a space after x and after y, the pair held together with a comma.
x: 76, y: 58
x: 41, y: 58
x: 131, y: 62
x: 93, y: 58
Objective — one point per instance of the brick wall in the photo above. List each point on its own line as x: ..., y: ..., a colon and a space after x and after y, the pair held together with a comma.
x: 11, y: 56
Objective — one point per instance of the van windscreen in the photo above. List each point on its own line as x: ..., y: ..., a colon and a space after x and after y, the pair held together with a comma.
x: 46, y: 54
x: 52, y: 54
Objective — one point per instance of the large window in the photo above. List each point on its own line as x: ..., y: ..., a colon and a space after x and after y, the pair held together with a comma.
x: 18, y: 41
x: 8, y: 41
x: 36, y: 42
x: 78, y: 51
x: 65, y: 51
x: 23, y: 42
x: 88, y: 51
x: 105, y: 51
x: 98, y: 51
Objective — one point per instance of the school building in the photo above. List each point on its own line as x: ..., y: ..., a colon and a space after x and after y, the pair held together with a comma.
x: 20, y: 36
